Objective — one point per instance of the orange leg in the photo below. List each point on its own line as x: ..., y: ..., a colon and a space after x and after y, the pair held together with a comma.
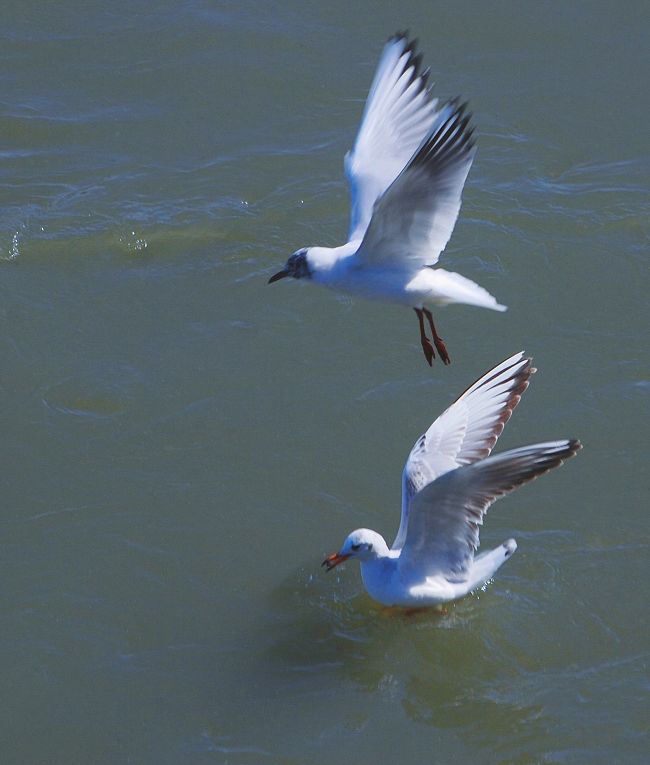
x: 429, y: 355
x: 439, y: 342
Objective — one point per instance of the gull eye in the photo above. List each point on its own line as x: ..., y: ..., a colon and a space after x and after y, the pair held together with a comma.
x: 355, y: 547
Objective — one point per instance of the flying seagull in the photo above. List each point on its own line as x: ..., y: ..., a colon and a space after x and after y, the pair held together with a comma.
x: 406, y: 173
x: 449, y: 482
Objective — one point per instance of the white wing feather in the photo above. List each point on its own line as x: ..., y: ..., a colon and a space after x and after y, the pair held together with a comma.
x: 398, y: 115
x: 465, y: 432
x: 414, y: 218
x: 445, y: 517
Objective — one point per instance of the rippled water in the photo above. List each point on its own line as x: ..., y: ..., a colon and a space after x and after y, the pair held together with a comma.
x: 182, y: 444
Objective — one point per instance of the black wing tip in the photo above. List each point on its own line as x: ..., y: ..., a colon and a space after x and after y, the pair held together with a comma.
x: 410, y: 46
x: 419, y: 74
x: 564, y: 449
x: 517, y: 467
x: 491, y: 375
x: 520, y: 378
x: 574, y: 446
x: 451, y: 140
x: 461, y: 110
x: 553, y: 454
x: 518, y: 374
x: 558, y: 455
x: 416, y: 62
x: 405, y: 35
x: 468, y: 115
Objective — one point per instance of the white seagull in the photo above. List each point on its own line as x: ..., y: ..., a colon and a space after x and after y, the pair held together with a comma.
x: 449, y: 482
x: 406, y: 173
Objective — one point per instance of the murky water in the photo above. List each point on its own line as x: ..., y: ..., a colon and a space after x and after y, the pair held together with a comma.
x: 182, y: 445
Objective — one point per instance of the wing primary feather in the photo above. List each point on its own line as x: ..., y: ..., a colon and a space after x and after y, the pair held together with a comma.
x: 511, y: 362
x: 399, y: 113
x: 448, y: 144
x: 451, y: 140
x: 443, y: 529
x: 466, y: 431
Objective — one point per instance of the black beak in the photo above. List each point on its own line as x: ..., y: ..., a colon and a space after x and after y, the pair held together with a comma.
x: 280, y: 275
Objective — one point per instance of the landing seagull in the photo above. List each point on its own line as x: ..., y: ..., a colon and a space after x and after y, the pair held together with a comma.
x: 449, y: 482
x: 406, y: 173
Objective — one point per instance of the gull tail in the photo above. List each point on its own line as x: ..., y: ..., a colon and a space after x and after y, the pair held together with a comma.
x: 450, y: 287
x: 485, y: 565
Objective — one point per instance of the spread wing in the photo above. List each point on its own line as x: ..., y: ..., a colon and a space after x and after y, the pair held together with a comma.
x: 465, y: 432
x: 398, y: 115
x: 443, y: 529
x: 413, y: 220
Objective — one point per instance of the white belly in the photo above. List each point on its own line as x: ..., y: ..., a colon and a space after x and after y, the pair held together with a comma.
x: 427, y: 287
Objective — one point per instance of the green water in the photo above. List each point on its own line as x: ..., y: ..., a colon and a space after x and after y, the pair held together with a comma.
x: 182, y: 445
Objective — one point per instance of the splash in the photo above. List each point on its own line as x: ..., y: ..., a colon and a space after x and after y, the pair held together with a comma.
x: 134, y: 242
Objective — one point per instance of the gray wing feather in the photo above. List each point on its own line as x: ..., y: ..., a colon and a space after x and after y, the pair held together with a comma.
x: 443, y: 529
x: 414, y: 218
x: 398, y: 115
x: 466, y: 431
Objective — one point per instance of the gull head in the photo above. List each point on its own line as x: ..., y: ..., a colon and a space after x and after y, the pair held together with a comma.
x: 363, y: 544
x: 297, y: 267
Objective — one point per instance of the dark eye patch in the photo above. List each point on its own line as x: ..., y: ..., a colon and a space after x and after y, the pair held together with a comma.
x: 355, y: 547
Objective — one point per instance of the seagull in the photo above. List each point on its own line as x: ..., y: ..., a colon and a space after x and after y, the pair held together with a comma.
x: 406, y: 173
x: 449, y: 482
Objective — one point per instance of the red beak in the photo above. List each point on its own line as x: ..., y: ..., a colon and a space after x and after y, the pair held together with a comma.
x: 333, y: 560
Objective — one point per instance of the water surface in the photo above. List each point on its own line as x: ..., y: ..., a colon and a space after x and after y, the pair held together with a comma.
x: 182, y: 445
